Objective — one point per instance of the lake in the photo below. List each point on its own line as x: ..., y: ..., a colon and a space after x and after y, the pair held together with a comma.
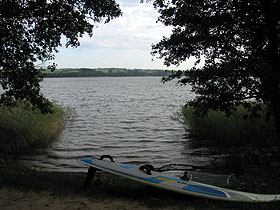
x: 126, y: 117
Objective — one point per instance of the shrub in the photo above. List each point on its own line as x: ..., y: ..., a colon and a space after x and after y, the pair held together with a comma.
x: 241, y: 128
x: 22, y: 127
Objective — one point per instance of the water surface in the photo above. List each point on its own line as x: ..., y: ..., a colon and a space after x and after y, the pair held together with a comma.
x: 126, y: 117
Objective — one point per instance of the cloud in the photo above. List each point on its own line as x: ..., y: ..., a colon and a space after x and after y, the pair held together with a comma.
x: 123, y: 42
x: 135, y: 29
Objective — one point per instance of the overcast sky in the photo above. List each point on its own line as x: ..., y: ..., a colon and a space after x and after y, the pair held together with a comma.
x: 124, y: 42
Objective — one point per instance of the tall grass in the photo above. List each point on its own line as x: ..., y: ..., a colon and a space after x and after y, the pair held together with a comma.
x: 22, y: 127
x: 238, y: 129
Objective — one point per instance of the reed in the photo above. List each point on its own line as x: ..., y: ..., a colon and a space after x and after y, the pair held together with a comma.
x: 22, y: 127
x: 239, y: 129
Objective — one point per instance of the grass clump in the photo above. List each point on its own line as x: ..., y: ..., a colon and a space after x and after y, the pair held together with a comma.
x: 241, y: 128
x: 247, y: 140
x: 23, y: 127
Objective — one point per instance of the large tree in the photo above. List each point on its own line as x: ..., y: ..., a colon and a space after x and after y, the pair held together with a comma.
x: 31, y: 31
x: 240, y: 43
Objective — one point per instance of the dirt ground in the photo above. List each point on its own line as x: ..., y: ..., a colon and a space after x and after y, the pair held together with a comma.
x: 11, y: 199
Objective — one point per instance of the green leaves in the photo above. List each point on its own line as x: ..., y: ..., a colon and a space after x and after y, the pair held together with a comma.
x: 31, y: 31
x: 240, y: 42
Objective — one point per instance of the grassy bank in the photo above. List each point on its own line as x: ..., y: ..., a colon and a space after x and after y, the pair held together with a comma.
x: 22, y: 128
x: 239, y: 129
x: 248, y: 144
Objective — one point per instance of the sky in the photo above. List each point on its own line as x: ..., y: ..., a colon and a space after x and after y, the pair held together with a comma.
x: 124, y: 42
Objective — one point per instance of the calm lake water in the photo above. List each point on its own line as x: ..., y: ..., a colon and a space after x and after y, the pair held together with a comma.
x: 126, y: 117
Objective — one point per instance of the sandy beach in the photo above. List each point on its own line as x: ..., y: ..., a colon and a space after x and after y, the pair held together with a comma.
x: 27, y: 189
x: 12, y: 199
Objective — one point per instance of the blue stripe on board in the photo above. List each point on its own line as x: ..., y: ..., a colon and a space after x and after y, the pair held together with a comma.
x: 205, y: 190
x: 87, y: 160
x: 125, y: 166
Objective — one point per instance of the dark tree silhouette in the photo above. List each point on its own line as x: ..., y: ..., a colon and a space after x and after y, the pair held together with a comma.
x: 32, y: 30
x: 240, y: 42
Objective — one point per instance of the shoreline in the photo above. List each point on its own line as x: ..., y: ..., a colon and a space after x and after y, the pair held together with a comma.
x: 106, y: 192
x: 25, y: 188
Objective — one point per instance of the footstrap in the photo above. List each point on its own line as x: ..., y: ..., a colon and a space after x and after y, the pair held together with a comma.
x: 106, y: 156
x: 147, y: 169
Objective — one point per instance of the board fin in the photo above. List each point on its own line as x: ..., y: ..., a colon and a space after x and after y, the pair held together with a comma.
x: 89, y: 177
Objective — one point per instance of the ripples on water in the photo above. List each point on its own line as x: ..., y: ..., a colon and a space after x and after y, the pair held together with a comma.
x: 126, y: 117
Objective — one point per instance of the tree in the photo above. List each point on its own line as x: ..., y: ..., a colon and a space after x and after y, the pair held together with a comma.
x: 31, y: 31
x: 240, y: 42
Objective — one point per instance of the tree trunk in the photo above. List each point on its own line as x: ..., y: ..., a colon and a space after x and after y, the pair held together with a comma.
x: 271, y: 14
x: 275, y: 105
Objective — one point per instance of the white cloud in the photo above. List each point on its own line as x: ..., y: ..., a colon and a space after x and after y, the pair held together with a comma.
x: 123, y: 42
x: 135, y: 29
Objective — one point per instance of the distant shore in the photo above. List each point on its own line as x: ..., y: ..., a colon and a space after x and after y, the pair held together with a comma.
x: 105, y: 72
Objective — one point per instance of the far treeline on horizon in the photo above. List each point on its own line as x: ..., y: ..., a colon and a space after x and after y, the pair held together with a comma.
x: 105, y: 72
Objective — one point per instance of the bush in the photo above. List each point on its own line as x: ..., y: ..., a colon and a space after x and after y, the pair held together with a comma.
x: 241, y: 128
x: 22, y: 127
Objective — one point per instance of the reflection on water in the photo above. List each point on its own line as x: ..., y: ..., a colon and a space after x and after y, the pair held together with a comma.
x: 126, y: 117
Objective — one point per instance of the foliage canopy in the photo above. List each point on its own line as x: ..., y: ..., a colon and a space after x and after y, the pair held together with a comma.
x: 32, y: 30
x: 240, y: 43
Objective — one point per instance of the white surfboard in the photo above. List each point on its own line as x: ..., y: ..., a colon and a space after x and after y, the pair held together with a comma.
x: 177, y: 185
